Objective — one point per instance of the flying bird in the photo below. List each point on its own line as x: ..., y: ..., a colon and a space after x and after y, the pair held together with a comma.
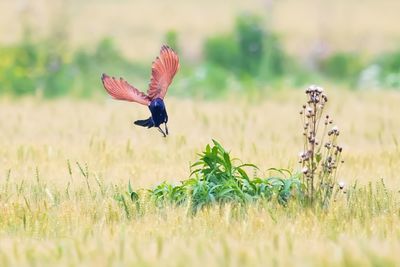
x: 163, y: 70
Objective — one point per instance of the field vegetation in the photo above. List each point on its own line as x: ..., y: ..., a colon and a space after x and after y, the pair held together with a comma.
x: 61, y: 194
x: 254, y: 171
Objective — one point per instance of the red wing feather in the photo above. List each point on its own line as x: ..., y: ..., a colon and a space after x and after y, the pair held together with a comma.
x: 122, y: 90
x: 163, y: 71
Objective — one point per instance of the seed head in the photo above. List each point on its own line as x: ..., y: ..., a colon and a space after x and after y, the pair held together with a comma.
x: 328, y: 145
x: 304, y: 170
x: 341, y: 185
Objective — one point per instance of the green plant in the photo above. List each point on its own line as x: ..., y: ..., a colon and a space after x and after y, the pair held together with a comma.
x: 251, y: 53
x: 170, y: 193
x: 240, y: 52
x: 390, y: 62
x: 218, y: 179
x: 20, y: 67
x: 223, y: 51
x: 273, y: 64
x: 32, y: 67
x: 342, y: 66
x: 389, y: 69
x: 250, y: 35
x: 172, y: 39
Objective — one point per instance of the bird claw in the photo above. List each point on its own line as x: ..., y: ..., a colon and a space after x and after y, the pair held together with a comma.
x: 161, y: 131
x: 166, y: 129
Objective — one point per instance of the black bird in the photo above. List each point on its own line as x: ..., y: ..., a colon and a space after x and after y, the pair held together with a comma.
x: 163, y: 71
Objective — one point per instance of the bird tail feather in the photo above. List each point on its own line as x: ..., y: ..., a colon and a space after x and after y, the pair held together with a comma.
x: 145, y: 123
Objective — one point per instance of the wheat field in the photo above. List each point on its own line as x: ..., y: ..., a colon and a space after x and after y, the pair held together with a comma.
x: 64, y: 161
x: 52, y: 215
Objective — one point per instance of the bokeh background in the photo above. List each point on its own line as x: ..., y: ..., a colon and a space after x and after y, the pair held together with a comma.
x: 54, y: 48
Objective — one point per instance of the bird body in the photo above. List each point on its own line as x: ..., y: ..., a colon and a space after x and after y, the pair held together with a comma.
x: 158, y: 115
x: 158, y: 112
x: 164, y: 69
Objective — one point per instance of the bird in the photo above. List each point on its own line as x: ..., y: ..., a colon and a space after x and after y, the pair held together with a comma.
x: 163, y: 70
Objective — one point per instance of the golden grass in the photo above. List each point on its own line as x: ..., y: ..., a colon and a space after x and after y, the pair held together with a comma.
x: 48, y: 217
x: 266, y: 132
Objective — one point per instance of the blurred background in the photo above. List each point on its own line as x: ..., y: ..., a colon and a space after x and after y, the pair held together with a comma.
x: 53, y: 48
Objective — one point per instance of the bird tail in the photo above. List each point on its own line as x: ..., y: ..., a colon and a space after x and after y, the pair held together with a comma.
x: 145, y: 123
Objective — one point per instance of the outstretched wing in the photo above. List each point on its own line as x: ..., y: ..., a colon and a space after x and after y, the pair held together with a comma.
x: 163, y: 71
x: 122, y: 90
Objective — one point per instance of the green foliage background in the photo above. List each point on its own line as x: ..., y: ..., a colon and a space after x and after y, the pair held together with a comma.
x: 245, y: 60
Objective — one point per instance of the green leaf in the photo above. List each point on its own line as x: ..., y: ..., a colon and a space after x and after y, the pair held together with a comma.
x: 242, y: 173
x: 130, y: 187
x: 134, y: 196
x: 248, y: 165
x: 281, y: 171
x: 318, y: 157
x: 228, y: 164
x: 218, y: 145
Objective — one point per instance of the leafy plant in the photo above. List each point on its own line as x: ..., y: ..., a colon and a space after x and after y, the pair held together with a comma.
x: 389, y: 69
x: 172, y: 39
x: 342, y: 66
x: 31, y: 67
x: 247, y: 50
x: 223, y: 51
x: 250, y: 35
x: 274, y: 59
x: 218, y: 179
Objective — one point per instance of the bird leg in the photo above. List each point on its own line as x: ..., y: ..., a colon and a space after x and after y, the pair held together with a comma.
x: 161, y: 131
x: 166, y: 128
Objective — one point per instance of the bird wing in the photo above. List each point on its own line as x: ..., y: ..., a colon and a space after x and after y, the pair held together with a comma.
x: 163, y: 71
x: 122, y: 90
